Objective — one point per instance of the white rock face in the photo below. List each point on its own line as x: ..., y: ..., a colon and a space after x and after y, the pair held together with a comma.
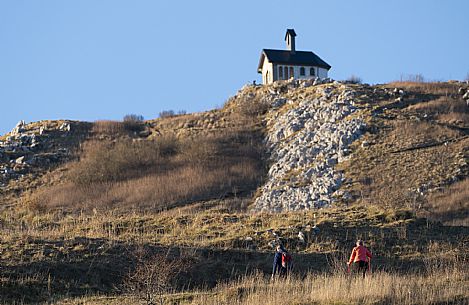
x: 305, y: 144
x: 28, y: 147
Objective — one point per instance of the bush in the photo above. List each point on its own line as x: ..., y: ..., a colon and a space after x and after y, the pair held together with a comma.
x: 108, y: 127
x: 354, y: 80
x: 167, y: 114
x: 171, y: 113
x: 153, y: 276
x: 413, y: 78
x: 111, y: 162
x: 133, y: 122
x: 157, y: 174
x: 251, y: 106
x: 133, y: 118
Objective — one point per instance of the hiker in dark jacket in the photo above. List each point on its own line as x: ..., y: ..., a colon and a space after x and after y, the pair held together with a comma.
x: 277, y: 268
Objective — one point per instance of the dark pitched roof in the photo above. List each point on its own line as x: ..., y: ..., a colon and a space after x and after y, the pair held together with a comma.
x: 286, y: 57
x: 291, y: 31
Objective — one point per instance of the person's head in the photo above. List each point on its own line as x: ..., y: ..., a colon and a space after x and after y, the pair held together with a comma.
x: 359, y: 242
x: 280, y: 248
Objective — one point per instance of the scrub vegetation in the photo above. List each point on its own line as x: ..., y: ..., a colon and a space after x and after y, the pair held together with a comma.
x: 158, y: 211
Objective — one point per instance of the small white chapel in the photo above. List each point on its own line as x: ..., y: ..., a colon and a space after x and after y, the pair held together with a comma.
x: 290, y: 63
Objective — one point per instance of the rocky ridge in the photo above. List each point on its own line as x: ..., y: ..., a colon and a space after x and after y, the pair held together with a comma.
x: 31, y: 148
x: 306, y: 138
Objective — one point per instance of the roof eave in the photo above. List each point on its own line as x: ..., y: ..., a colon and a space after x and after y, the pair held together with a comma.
x: 261, y: 62
x: 302, y: 64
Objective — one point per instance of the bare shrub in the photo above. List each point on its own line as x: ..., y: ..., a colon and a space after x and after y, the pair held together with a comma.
x: 336, y: 262
x: 413, y: 78
x: 133, y: 122
x: 171, y: 113
x: 255, y: 108
x: 353, y: 79
x: 154, y: 276
x: 250, y: 105
x: 133, y: 118
x: 198, y: 152
x: 104, y: 161
x: 157, y: 174
x: 166, y: 114
x: 108, y: 127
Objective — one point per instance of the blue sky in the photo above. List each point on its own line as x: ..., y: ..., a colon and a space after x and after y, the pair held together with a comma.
x: 91, y: 60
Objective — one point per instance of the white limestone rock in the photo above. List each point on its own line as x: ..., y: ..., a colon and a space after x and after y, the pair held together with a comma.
x: 305, y: 144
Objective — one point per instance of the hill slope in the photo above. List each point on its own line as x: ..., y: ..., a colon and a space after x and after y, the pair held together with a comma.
x: 382, y: 163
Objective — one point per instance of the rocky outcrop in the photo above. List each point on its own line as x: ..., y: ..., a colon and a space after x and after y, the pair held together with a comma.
x: 33, y: 147
x: 308, y: 134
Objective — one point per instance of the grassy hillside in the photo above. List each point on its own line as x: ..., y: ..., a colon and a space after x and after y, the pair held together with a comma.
x: 179, y: 190
x: 416, y: 151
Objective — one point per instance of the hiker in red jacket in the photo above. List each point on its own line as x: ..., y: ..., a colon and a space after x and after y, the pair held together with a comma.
x: 360, y: 258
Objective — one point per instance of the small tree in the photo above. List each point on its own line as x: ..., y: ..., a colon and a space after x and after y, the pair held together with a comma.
x: 414, y: 78
x: 417, y: 78
x: 133, y: 118
x: 353, y: 79
x: 153, y: 276
x: 167, y: 113
x: 133, y: 122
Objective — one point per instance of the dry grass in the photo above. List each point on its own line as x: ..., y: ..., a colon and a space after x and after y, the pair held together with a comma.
x: 108, y: 127
x: 406, y: 134
x: 418, y: 143
x: 451, y: 205
x: 154, y: 191
x: 111, y: 161
x: 131, y: 124
x: 446, y: 284
x: 55, y: 254
x: 445, y: 110
x: 455, y: 118
x: 156, y: 174
x: 438, y: 88
x: 212, y: 225
x: 87, y: 254
x: 443, y: 286
x: 441, y: 105
x: 407, y: 158
x: 248, y: 105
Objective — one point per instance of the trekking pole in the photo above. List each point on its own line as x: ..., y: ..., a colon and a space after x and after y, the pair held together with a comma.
x: 369, y: 265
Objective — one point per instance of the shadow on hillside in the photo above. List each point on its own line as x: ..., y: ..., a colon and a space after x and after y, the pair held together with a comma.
x: 85, y: 266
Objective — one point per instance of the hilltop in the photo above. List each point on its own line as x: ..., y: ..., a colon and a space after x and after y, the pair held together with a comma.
x: 311, y: 144
x: 313, y: 163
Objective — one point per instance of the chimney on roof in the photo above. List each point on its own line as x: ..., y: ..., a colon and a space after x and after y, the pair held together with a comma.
x: 290, y: 39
